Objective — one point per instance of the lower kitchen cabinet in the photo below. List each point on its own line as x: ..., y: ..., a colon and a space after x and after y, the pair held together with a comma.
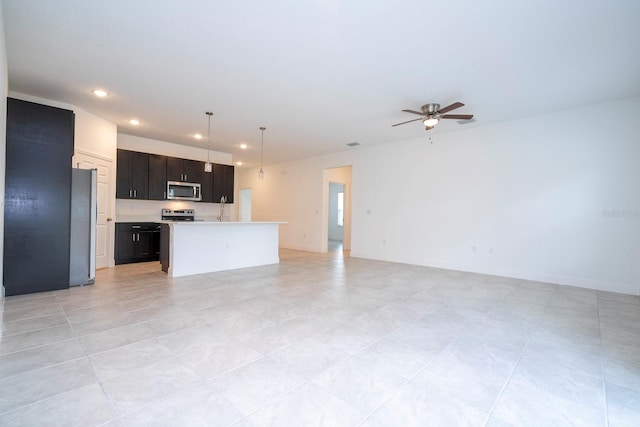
x: 137, y: 242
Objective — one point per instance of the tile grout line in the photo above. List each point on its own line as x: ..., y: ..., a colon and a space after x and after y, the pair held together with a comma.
x: 515, y: 366
x: 603, y: 367
x: 426, y: 366
x: 86, y: 356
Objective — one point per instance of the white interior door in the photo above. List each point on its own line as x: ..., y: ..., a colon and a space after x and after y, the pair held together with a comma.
x: 104, y: 229
x: 245, y: 205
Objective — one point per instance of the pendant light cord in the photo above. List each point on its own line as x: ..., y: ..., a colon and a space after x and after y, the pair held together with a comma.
x: 262, y: 146
x: 209, y: 113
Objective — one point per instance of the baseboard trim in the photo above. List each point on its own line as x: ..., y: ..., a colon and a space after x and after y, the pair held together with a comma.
x: 580, y: 282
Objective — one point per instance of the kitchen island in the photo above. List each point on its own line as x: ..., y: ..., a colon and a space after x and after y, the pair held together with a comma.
x: 196, y: 247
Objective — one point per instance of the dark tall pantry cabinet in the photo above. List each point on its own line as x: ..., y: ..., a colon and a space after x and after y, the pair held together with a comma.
x: 37, y: 197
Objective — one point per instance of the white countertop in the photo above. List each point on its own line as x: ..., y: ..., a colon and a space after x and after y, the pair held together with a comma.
x: 201, y: 222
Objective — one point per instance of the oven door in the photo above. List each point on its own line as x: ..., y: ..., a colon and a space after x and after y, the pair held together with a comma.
x: 177, y: 190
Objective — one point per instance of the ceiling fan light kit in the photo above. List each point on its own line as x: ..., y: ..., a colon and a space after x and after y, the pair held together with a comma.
x: 430, y: 121
x: 432, y: 114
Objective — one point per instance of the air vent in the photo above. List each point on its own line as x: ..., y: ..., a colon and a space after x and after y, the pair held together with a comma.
x: 353, y: 144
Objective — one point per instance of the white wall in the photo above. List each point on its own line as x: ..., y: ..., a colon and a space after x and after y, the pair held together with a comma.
x: 4, y: 90
x: 128, y: 210
x: 551, y: 198
x: 95, y: 135
x: 291, y: 192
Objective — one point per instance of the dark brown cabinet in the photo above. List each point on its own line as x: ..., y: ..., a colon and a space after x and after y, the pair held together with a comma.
x: 144, y: 176
x: 183, y: 169
x: 132, y: 179
x: 157, y: 177
x: 137, y: 242
x: 206, y: 183
x: 222, y: 182
x: 37, y: 198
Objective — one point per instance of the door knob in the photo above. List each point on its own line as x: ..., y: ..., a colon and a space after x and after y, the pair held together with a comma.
x: 109, y: 219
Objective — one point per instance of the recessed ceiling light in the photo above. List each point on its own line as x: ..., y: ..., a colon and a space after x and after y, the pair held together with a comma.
x: 134, y: 122
x: 243, y: 146
x: 197, y: 136
x: 100, y: 93
x: 239, y: 163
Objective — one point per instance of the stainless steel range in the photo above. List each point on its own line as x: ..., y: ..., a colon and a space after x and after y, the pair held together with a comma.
x: 178, y: 215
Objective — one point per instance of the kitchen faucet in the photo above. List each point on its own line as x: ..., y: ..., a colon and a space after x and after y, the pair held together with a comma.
x: 223, y: 200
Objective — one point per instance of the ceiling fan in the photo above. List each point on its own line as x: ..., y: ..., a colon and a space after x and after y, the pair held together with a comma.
x: 432, y: 113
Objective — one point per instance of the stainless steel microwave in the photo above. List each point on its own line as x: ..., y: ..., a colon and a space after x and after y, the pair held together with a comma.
x: 178, y: 190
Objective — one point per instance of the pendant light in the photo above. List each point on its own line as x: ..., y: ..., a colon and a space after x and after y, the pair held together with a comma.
x: 261, y: 172
x: 208, y: 167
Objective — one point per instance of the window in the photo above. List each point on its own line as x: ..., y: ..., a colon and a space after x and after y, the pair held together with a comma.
x: 340, y: 209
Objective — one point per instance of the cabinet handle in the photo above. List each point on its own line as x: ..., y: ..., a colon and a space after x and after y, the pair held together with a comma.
x: 136, y: 226
x: 135, y: 193
x: 164, y: 195
x: 130, y: 193
x: 138, y: 237
x: 133, y: 237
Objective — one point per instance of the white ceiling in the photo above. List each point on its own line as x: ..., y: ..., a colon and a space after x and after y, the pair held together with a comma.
x: 319, y: 74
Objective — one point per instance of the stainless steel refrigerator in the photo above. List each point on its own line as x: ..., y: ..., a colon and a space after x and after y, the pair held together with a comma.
x: 84, y: 214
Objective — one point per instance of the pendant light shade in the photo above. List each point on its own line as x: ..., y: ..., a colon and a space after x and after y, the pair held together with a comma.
x: 261, y: 172
x: 208, y: 167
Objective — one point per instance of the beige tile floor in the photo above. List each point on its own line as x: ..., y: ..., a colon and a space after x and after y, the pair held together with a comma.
x: 320, y: 340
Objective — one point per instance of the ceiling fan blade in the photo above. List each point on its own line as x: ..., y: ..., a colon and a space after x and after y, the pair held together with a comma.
x: 408, y: 121
x: 414, y: 112
x: 457, y: 116
x: 451, y: 107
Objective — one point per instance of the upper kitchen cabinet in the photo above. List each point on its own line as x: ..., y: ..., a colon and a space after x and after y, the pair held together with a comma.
x: 157, y: 177
x: 222, y: 182
x: 132, y: 181
x: 183, y: 169
x: 37, y: 200
x: 206, y: 189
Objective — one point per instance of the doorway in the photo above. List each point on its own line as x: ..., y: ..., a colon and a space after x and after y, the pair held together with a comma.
x: 245, y: 205
x: 104, y: 228
x: 337, y: 209
x: 335, y: 229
